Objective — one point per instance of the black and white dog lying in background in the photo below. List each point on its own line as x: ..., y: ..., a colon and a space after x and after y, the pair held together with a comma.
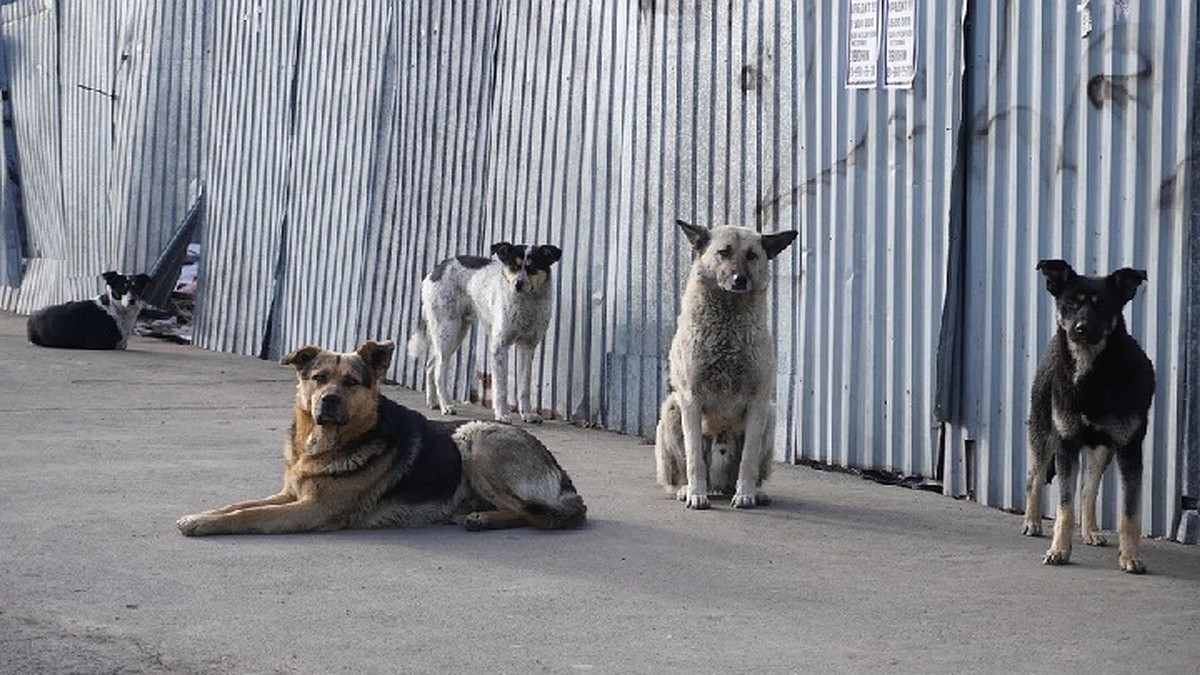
x: 103, y: 322
x: 512, y: 296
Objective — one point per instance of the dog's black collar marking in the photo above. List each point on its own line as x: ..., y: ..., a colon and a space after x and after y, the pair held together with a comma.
x: 104, y: 301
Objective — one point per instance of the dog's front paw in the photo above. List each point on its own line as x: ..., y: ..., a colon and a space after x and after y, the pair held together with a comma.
x: 681, y: 493
x: 503, y: 418
x: 531, y: 418
x: 1057, y: 557
x: 1131, y: 563
x: 697, y: 501
x: 744, y: 500
x: 192, y: 525
x: 448, y: 410
x: 1032, y: 528
x: 1094, y: 539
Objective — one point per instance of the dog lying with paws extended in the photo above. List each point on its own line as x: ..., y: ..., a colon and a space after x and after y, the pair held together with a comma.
x: 355, y: 459
x: 1093, y: 389
x: 718, y: 419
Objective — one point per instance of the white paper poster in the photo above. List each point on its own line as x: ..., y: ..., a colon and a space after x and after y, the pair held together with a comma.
x: 900, y: 44
x: 862, y: 62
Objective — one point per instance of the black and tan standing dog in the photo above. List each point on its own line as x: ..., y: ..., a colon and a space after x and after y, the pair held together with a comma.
x: 356, y: 459
x: 1092, y: 389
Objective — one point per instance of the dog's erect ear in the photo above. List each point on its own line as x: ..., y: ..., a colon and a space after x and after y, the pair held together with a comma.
x: 774, y: 244
x: 110, y: 277
x: 140, y: 281
x: 377, y: 356
x: 301, y: 357
x: 501, y: 249
x: 1126, y: 281
x: 553, y: 253
x: 1058, y: 274
x: 698, y: 236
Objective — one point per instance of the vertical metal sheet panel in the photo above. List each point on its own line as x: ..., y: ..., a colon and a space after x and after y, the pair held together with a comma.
x: 250, y: 116
x: 1092, y: 168
x: 31, y: 50
x: 86, y: 97
x: 337, y: 95
x: 157, y: 135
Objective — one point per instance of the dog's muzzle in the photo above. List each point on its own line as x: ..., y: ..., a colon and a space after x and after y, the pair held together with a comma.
x: 330, y: 410
x: 1086, y: 332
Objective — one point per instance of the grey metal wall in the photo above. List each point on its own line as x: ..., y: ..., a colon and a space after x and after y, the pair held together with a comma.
x: 104, y: 105
x: 1091, y: 166
x: 343, y: 149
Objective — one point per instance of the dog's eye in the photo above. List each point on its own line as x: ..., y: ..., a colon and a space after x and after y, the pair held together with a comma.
x: 725, y: 252
x: 320, y: 378
x: 751, y: 255
x: 349, y: 382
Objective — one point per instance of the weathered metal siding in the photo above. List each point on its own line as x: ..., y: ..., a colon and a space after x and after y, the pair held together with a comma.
x: 95, y: 90
x: 1091, y: 166
x: 250, y: 115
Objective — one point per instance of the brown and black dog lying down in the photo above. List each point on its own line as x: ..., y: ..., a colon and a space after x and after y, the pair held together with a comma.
x: 356, y: 459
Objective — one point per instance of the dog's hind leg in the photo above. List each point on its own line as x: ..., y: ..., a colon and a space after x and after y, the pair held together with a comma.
x: 481, y: 521
x: 444, y: 338
x: 750, y: 477
x: 669, y: 459
x: 524, y: 382
x: 1129, y: 526
x: 1066, y: 461
x: 431, y: 390
x: 1039, y: 462
x: 1098, y: 459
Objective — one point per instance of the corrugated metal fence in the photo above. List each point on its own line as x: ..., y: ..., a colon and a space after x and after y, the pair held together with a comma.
x: 342, y: 150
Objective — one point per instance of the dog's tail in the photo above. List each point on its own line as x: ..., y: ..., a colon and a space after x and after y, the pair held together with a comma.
x: 419, y: 342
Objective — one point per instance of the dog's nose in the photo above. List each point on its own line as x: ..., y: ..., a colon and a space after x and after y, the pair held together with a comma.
x: 520, y: 285
x: 1080, y: 328
x: 329, y: 409
x: 740, y: 281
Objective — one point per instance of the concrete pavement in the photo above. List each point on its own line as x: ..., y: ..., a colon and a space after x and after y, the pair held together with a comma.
x: 100, y: 452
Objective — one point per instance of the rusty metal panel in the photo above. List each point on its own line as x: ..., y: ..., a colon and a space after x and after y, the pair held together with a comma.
x: 1092, y: 167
